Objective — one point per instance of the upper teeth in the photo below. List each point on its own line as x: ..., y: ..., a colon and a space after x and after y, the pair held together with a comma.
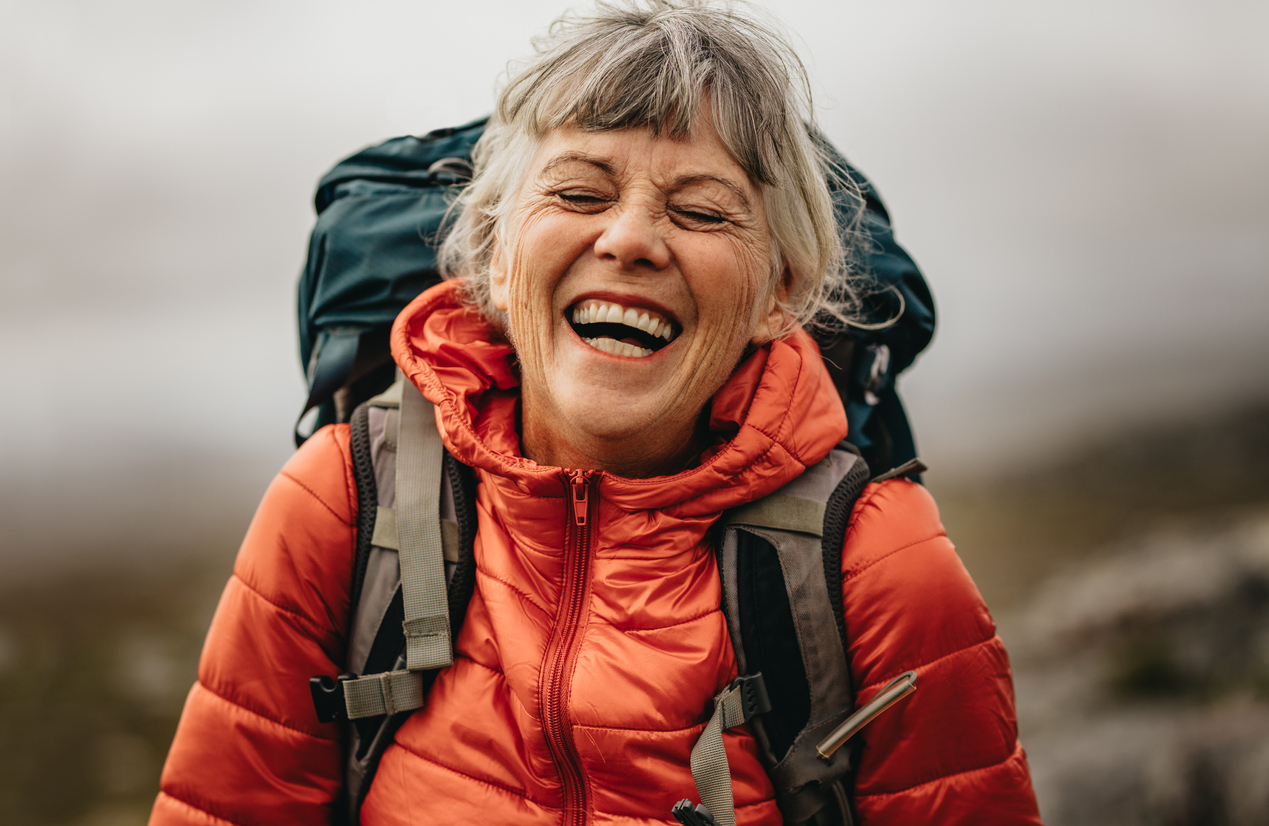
x: 594, y: 312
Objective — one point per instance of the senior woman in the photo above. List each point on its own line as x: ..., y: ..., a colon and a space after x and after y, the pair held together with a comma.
x: 648, y: 227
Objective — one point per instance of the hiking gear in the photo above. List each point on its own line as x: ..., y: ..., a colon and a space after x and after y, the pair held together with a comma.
x: 895, y: 690
x: 588, y: 659
x: 687, y: 814
x: 736, y: 705
x: 381, y: 216
x: 783, y: 530
x: 372, y: 250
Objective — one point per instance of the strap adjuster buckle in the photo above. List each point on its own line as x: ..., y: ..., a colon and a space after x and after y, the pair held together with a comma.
x: 753, y: 694
x: 687, y: 814
x: 328, y: 697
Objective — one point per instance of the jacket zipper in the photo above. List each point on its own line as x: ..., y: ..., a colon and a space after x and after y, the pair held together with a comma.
x: 578, y: 485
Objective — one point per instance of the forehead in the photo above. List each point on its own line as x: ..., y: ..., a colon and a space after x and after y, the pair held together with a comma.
x: 629, y: 153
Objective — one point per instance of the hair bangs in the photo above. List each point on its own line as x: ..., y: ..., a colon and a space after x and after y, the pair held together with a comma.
x: 662, y: 65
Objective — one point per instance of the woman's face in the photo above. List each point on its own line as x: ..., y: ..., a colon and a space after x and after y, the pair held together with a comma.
x: 639, y: 268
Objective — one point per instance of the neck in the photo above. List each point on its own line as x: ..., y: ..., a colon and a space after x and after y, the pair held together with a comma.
x: 656, y: 452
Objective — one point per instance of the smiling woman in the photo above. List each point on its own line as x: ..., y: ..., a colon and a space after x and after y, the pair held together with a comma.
x: 637, y: 225
x: 665, y: 578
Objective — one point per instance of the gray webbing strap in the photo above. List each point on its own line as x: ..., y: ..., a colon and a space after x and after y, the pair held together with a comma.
x: 710, y: 769
x: 385, y: 535
x: 385, y: 693
x: 420, y: 457
x: 784, y: 513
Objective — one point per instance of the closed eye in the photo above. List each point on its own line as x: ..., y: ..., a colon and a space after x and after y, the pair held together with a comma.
x: 693, y: 216
x: 582, y: 199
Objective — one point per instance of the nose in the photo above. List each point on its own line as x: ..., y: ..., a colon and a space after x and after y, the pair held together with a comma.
x: 633, y: 240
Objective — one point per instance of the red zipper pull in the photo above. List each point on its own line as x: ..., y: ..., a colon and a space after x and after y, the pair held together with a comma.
x: 581, y: 496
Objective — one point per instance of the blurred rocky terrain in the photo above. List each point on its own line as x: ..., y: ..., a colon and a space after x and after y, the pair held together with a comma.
x: 1130, y: 581
x: 94, y: 668
x: 1143, y: 680
x: 1129, y: 578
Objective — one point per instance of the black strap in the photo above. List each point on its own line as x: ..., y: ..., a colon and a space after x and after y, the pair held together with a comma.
x: 836, y: 519
x: 367, y: 502
x: 331, y: 365
x: 462, y: 584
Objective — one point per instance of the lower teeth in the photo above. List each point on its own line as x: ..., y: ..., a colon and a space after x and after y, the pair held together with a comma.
x: 617, y: 348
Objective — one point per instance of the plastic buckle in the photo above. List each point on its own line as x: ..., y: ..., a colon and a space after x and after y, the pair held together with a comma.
x: 876, y: 373
x: 689, y: 815
x: 753, y: 695
x: 328, y: 697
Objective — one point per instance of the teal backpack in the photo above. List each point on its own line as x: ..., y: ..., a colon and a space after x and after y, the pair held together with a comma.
x: 380, y: 219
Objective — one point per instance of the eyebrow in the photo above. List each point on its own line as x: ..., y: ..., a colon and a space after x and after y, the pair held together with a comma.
x: 602, y: 164
x: 579, y: 157
x: 730, y: 185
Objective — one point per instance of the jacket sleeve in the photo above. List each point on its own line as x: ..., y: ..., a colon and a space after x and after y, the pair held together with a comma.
x: 949, y: 752
x: 249, y: 748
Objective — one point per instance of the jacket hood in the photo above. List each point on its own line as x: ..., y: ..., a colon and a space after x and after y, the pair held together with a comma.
x: 775, y: 416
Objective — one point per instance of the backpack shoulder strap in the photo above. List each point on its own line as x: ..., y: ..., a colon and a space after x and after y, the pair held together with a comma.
x: 780, y: 562
x: 782, y: 599
x: 419, y: 472
x: 380, y: 689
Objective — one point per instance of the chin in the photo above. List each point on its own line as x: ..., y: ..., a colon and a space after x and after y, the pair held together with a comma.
x: 609, y: 421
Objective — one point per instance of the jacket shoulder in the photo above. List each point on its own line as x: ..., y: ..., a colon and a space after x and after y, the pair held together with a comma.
x: 249, y: 747
x: 323, y: 468
x: 948, y: 753
x: 901, y: 575
x: 297, y: 553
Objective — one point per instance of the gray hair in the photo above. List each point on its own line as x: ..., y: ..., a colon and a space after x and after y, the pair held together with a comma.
x: 653, y: 64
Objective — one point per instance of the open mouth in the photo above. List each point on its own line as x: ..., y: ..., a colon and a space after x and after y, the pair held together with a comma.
x: 622, y: 331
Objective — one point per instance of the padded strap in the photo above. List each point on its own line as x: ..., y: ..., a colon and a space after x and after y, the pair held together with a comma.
x: 782, y: 529
x: 420, y: 457
x: 387, y: 693
x: 737, y: 704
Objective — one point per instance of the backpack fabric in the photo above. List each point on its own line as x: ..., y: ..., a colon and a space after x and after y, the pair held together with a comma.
x: 382, y: 213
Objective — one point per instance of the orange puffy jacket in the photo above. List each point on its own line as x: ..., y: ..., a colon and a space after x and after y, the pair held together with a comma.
x: 590, y: 654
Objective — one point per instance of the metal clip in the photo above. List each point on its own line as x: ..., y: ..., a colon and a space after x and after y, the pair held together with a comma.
x: 876, y: 373
x: 894, y: 691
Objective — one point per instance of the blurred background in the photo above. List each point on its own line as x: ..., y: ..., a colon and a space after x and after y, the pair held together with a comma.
x: 1085, y: 184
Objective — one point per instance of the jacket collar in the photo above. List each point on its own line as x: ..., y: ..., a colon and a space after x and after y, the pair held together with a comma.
x: 776, y: 415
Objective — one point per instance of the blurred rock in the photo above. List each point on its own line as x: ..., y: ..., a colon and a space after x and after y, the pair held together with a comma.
x: 1143, y: 681
x: 1171, y: 766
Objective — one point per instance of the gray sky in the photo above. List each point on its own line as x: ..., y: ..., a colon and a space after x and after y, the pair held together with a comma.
x: 1085, y: 184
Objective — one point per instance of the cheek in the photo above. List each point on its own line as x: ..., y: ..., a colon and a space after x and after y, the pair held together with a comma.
x: 737, y: 286
x: 529, y: 270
